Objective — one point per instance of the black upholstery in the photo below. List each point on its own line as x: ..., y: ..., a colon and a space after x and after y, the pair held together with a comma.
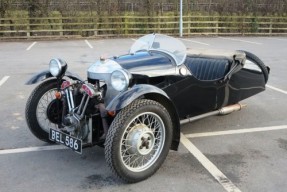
x: 207, y: 68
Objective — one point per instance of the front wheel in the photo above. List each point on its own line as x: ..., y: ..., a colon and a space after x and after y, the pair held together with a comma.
x: 42, y: 109
x: 138, y: 140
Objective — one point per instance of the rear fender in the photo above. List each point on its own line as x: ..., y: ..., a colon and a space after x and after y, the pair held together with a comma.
x: 46, y: 74
x: 149, y: 92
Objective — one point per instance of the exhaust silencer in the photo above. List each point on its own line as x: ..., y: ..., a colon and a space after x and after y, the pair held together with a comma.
x: 223, y: 111
x: 231, y: 108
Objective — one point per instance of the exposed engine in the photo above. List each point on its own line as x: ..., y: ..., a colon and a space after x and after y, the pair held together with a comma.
x: 82, y: 101
x: 84, y: 113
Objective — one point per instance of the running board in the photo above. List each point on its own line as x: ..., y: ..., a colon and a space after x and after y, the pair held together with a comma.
x: 223, y: 111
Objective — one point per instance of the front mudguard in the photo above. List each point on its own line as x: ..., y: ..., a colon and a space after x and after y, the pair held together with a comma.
x: 125, y: 98
x: 148, y: 92
x: 46, y: 74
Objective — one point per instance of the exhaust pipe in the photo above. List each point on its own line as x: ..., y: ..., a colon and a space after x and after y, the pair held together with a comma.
x: 231, y: 108
x: 223, y: 111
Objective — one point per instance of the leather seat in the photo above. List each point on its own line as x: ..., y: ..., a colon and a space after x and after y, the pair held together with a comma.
x: 207, y: 68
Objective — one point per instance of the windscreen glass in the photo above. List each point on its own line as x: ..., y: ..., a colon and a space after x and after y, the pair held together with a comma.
x: 172, y: 46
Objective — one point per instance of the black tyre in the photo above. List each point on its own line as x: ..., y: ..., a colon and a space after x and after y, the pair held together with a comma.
x: 138, y: 140
x: 42, y: 109
x: 253, y: 58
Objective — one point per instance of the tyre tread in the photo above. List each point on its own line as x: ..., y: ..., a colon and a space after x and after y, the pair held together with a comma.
x: 31, y: 104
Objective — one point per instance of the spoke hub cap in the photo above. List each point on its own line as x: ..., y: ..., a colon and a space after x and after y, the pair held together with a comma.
x: 142, y: 140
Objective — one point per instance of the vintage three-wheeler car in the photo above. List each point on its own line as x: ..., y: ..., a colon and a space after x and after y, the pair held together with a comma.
x: 133, y: 105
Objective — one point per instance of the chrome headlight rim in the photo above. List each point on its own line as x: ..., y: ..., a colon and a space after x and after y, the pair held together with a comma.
x: 55, y: 67
x: 125, y: 79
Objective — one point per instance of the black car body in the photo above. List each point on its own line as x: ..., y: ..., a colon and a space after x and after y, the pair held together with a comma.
x: 134, y: 104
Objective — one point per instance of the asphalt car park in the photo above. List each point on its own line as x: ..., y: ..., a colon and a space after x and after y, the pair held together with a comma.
x: 243, y: 151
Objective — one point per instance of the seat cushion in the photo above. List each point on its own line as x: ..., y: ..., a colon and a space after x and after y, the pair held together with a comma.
x: 207, y: 68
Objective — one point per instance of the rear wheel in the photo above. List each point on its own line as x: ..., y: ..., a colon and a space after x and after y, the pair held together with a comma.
x: 42, y: 109
x: 138, y: 140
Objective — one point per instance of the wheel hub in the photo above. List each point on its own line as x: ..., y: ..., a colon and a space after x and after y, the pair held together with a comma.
x: 54, y: 111
x: 140, y: 140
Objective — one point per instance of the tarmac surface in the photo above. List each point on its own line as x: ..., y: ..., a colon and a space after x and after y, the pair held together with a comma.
x: 243, y: 151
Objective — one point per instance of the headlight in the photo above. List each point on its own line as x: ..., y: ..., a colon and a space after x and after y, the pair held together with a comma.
x: 119, y: 80
x: 57, y: 67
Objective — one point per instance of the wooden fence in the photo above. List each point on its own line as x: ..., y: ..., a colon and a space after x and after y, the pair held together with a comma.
x: 104, y: 26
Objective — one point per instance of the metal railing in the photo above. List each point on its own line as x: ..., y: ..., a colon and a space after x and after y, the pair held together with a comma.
x: 119, y: 26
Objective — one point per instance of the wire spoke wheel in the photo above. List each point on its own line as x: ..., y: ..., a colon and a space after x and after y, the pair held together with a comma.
x: 138, y: 140
x: 142, y: 141
x: 42, y: 110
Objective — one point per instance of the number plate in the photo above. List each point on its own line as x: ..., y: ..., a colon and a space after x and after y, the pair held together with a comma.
x: 65, y: 139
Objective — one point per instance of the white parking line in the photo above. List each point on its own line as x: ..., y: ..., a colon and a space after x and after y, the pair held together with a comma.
x: 3, y: 80
x: 276, y: 89
x: 30, y: 47
x: 279, y: 39
x: 195, y: 42
x: 30, y: 149
x: 88, y: 43
x: 238, y: 131
x: 133, y: 39
x: 232, y: 39
x: 209, y: 166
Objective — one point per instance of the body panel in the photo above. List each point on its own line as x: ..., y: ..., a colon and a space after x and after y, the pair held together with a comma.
x: 192, y: 97
x: 150, y: 63
x: 244, y: 84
